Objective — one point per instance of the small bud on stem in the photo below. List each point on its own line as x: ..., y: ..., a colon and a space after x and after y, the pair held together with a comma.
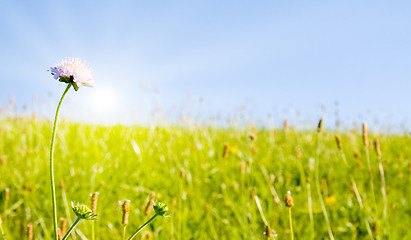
x: 365, y: 135
x: 94, y: 198
x: 226, y: 148
x: 150, y: 204
x: 126, y: 211
x: 377, y: 147
x: 288, y: 200
x: 320, y: 125
x: 339, y: 142
x: 30, y: 234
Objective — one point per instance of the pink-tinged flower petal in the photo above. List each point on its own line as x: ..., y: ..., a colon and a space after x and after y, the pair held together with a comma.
x: 73, y: 67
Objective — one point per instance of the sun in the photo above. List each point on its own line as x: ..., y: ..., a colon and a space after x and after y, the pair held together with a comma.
x: 103, y: 99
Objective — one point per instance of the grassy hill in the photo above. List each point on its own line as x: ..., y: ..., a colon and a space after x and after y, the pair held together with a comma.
x: 219, y: 183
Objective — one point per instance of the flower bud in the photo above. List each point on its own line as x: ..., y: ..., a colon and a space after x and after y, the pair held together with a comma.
x: 339, y: 142
x: 268, y: 233
x: 365, y: 135
x: 377, y: 147
x: 288, y: 200
x: 320, y: 125
x: 30, y: 234
x: 6, y: 194
x: 252, y: 136
x: 94, y: 198
x: 83, y: 212
x: 161, y: 209
x: 225, y: 152
x: 126, y: 211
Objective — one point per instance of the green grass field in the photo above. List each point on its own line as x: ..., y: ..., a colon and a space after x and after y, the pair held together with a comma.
x: 212, y: 196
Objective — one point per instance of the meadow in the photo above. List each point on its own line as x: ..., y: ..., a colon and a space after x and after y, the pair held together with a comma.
x: 219, y: 183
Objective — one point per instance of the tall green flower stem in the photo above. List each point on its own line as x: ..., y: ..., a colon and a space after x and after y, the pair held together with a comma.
x: 291, y: 223
x: 142, y: 226
x: 93, y: 237
x: 384, y: 194
x: 310, y: 207
x: 53, y: 187
x: 124, y: 232
x: 75, y: 223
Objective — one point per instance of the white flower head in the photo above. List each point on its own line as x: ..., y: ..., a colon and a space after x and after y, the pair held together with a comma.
x: 73, y: 71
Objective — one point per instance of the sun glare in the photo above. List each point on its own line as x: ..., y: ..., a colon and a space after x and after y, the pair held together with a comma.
x: 103, y: 100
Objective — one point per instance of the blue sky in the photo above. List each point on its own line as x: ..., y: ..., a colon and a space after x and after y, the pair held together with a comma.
x: 249, y: 59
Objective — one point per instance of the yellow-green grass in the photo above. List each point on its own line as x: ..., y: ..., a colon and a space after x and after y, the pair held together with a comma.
x: 210, y: 196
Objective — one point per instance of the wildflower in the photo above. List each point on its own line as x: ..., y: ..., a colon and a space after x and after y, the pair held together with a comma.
x: 161, y: 209
x: 73, y: 71
x: 226, y: 149
x: 83, y: 212
x: 126, y: 211
x: 330, y: 200
x: 365, y: 135
x: 268, y: 233
x: 339, y: 142
x: 233, y: 150
x: 94, y: 198
x: 288, y: 200
x: 252, y: 136
x: 320, y: 125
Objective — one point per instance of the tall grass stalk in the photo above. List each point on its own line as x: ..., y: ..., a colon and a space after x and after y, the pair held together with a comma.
x: 75, y: 223
x: 367, y: 155
x: 94, y: 198
x: 291, y: 223
x: 124, y: 232
x: 310, y: 209
x: 384, y: 194
x: 53, y: 187
x: 289, y: 203
x: 317, y: 183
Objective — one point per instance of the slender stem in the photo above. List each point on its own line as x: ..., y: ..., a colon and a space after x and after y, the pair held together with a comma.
x: 76, y: 221
x: 310, y: 209
x: 384, y: 195
x: 367, y: 153
x: 317, y: 183
x: 124, y: 232
x: 291, y: 223
x: 53, y: 187
x: 145, y: 224
x: 3, y: 235
x: 93, y: 237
